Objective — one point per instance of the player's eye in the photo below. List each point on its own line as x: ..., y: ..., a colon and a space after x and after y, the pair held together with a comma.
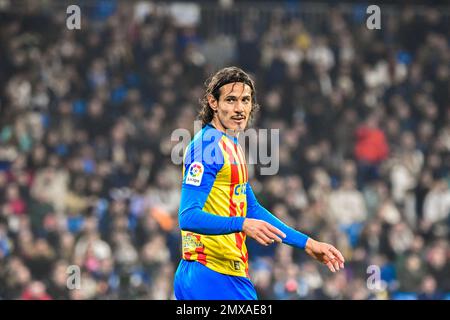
x: 230, y: 99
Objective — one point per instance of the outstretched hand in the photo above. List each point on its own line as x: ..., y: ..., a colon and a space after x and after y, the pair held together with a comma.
x: 326, y: 254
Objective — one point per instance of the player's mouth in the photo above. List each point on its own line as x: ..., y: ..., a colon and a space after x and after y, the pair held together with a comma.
x: 238, y: 119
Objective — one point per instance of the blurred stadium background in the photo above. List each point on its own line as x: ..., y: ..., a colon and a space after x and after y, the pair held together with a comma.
x: 86, y: 116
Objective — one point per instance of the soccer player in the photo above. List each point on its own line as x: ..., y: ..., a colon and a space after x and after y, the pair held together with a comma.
x: 218, y: 208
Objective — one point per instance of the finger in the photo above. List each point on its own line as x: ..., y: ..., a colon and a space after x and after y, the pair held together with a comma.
x: 265, y: 238
x: 329, y: 254
x: 335, y: 264
x: 260, y: 240
x: 339, y: 255
x: 330, y: 266
x: 276, y: 230
x: 272, y: 235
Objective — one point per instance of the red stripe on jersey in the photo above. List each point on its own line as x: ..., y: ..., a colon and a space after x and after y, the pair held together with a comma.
x: 234, y: 179
x: 239, y: 241
x: 242, y: 163
x: 239, y: 236
x: 234, y: 168
x: 246, y: 268
x: 201, y: 257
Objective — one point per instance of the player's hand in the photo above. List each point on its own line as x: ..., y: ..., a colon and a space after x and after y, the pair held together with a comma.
x: 261, y: 231
x: 325, y: 253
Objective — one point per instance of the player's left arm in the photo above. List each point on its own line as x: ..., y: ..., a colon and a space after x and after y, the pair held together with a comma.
x: 321, y: 251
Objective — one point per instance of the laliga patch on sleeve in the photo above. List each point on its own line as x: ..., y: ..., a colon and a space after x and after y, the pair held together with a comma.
x: 195, y: 174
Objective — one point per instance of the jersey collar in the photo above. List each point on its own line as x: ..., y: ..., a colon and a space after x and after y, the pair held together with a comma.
x: 232, y: 138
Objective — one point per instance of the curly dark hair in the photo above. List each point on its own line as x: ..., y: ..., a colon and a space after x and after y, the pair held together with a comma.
x: 213, y: 85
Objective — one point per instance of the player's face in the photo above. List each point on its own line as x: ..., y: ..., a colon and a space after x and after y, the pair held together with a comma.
x: 233, y: 108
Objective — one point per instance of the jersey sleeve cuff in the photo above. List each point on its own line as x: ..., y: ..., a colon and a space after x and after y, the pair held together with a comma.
x: 238, y: 223
x: 303, y: 241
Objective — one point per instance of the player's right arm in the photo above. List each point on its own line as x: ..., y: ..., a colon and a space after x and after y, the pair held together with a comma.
x: 193, y: 218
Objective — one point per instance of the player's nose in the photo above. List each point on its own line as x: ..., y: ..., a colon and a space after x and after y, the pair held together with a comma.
x: 239, y: 107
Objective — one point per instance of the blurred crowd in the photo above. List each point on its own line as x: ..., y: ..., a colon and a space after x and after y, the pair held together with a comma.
x: 86, y: 176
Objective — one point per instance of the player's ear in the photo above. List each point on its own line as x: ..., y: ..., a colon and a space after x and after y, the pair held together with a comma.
x: 212, y: 102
